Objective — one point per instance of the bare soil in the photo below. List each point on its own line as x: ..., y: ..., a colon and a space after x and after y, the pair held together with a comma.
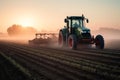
x: 8, y: 71
x: 55, y: 63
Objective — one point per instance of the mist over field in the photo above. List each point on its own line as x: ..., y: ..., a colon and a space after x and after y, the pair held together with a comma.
x: 111, y: 37
x: 18, y: 33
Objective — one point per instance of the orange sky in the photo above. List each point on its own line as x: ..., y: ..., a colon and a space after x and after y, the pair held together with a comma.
x: 50, y: 14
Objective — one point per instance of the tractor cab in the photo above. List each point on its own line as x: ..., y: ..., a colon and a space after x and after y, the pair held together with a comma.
x: 75, y: 21
x: 76, y: 25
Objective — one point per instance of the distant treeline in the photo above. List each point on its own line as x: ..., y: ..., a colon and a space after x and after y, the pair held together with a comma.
x: 108, y: 32
x: 16, y: 30
x: 111, y: 30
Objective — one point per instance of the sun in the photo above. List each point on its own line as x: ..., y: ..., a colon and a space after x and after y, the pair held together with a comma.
x: 25, y: 22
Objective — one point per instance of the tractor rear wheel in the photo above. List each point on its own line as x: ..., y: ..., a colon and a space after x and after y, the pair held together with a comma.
x: 72, y: 42
x: 61, y: 39
x: 99, y: 42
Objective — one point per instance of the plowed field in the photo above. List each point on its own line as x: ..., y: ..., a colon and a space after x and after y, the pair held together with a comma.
x: 48, y: 63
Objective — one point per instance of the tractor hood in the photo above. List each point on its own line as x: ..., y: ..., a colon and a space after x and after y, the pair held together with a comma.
x: 84, y: 30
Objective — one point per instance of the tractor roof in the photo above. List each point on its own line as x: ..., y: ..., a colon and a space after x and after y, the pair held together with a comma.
x: 75, y: 17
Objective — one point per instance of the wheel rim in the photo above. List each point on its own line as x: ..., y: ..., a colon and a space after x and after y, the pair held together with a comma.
x: 70, y: 42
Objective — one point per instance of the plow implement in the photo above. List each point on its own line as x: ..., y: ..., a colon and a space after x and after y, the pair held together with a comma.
x: 44, y: 38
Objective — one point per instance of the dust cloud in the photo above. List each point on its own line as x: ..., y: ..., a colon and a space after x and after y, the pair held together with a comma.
x: 17, y: 39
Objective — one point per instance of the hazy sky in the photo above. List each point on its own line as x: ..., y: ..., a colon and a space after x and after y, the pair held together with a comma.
x: 50, y: 14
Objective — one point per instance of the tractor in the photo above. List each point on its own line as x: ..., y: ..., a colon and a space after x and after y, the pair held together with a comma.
x: 75, y: 32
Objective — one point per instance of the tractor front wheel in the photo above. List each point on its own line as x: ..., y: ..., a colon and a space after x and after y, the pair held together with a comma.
x: 72, y: 42
x: 99, y: 42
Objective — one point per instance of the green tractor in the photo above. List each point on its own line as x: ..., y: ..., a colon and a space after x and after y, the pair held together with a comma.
x: 75, y: 33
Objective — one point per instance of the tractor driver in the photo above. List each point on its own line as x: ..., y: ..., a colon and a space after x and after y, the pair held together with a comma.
x: 75, y: 24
